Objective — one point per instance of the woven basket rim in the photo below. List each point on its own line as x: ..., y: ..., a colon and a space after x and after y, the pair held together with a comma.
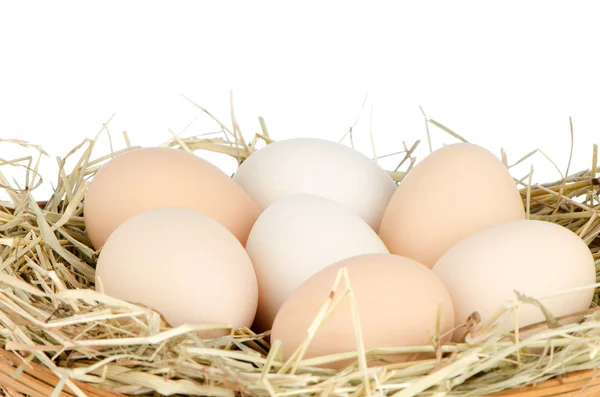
x: 38, y: 381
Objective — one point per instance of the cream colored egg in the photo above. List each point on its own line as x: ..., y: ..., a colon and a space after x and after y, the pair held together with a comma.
x: 181, y: 263
x: 453, y: 192
x: 535, y: 258
x: 295, y: 238
x: 146, y: 178
x: 398, y: 301
x: 319, y: 167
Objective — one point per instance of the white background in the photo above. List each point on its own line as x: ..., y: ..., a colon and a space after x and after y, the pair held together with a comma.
x: 502, y: 74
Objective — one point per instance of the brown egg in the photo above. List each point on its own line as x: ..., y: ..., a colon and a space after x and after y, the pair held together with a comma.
x: 142, y: 179
x: 452, y: 193
x: 397, y: 301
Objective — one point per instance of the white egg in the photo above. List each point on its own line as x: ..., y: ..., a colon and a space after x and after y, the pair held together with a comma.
x: 296, y: 237
x: 320, y: 167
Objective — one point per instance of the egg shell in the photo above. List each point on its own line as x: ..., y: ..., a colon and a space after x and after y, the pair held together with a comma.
x: 535, y: 258
x: 296, y: 237
x: 146, y: 178
x: 183, y: 264
x: 455, y: 191
x: 397, y: 298
x: 319, y: 167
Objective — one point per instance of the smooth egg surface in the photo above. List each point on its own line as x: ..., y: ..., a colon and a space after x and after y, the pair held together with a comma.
x: 182, y: 264
x: 146, y: 178
x: 295, y: 238
x: 455, y: 191
x: 319, y: 167
x: 535, y: 258
x: 397, y: 299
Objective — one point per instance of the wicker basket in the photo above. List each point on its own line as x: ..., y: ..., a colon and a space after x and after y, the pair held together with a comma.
x: 38, y: 381
x: 580, y: 384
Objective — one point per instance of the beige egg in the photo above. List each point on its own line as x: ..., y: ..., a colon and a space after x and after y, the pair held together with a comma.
x: 535, y: 258
x: 455, y: 191
x: 182, y: 264
x: 397, y: 298
x: 142, y: 179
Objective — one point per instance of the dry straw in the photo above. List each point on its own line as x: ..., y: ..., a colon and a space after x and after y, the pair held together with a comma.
x: 62, y: 338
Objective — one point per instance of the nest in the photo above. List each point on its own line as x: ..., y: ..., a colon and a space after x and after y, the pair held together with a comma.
x: 57, y: 330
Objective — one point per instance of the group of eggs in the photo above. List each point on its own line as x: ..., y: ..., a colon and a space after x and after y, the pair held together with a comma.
x: 263, y: 249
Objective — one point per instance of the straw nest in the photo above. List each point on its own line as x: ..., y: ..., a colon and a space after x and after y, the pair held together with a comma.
x: 51, y: 315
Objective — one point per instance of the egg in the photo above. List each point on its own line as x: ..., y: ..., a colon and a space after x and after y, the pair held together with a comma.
x: 535, y: 258
x: 182, y: 264
x: 296, y: 237
x: 319, y: 167
x: 455, y: 191
x: 398, y: 300
x: 146, y: 178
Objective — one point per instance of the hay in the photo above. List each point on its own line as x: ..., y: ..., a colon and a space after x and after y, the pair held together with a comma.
x: 50, y: 313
